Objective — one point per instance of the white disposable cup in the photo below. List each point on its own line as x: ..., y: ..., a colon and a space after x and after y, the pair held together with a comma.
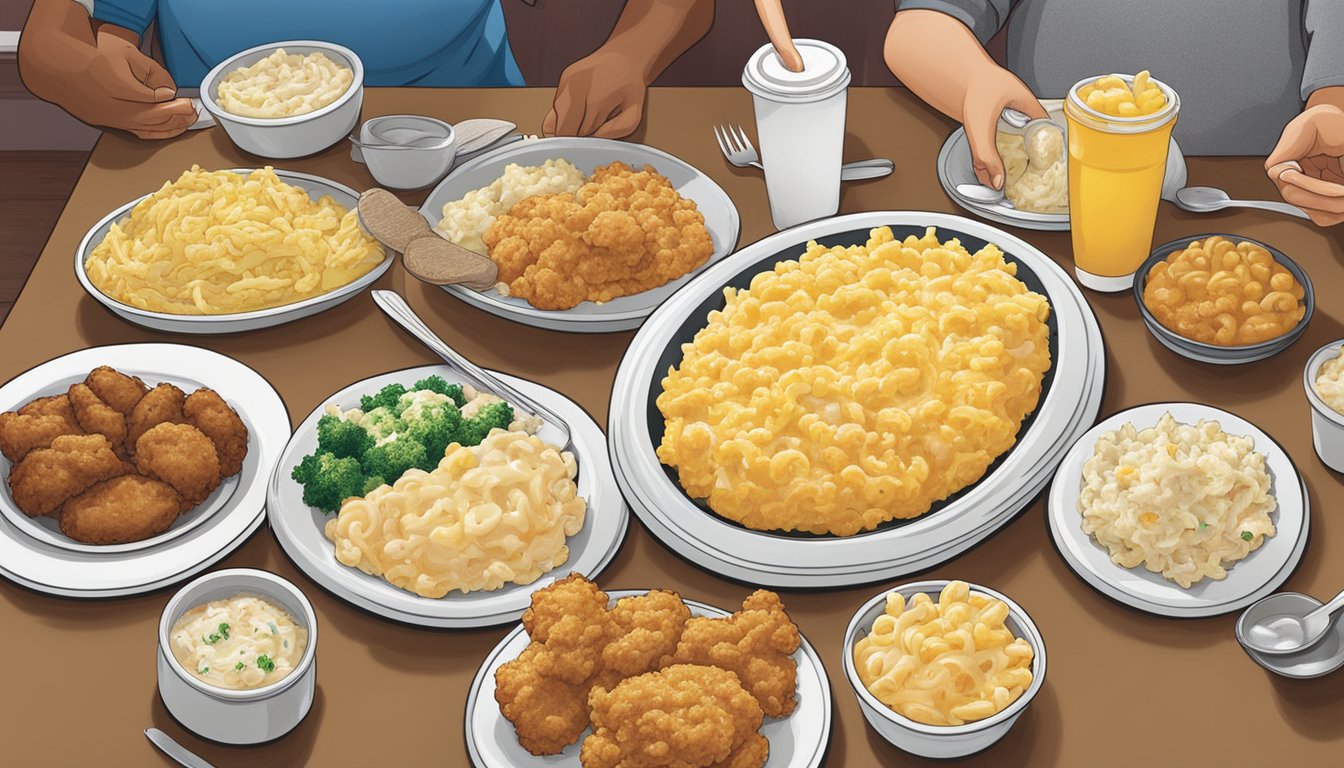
x: 800, y: 122
x: 1327, y: 424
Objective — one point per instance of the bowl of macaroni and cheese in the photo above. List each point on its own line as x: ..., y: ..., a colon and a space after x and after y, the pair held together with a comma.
x: 1323, y: 380
x: 288, y: 99
x: 1223, y: 299
x: 237, y: 656
x: 901, y: 644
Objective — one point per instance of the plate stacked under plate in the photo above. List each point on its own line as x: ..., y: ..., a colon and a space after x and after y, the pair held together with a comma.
x: 1069, y: 403
x: 299, y: 527
x: 34, y: 554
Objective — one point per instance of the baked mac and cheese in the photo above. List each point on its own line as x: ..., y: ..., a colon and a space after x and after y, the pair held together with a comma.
x: 284, y: 85
x: 1111, y: 95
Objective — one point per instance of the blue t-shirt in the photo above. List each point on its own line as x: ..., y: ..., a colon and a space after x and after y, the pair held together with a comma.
x: 401, y: 42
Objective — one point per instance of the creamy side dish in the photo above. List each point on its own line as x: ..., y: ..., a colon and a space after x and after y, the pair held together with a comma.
x: 284, y: 85
x: 1036, y: 178
x: 1329, y: 384
x: 240, y: 643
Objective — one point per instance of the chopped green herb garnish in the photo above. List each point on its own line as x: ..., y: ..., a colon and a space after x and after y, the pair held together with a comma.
x: 239, y: 665
x: 1202, y: 526
x: 265, y: 663
x: 212, y: 639
x: 271, y: 624
x: 224, y: 630
x: 203, y: 671
x: 286, y: 643
x: 1247, y: 536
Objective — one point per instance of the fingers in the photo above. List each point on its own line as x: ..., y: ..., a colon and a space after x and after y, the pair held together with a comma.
x: 159, y: 135
x: 568, y: 114
x: 595, y: 115
x: 140, y: 79
x: 1312, y: 184
x: 622, y: 124
x: 1295, y: 142
x: 1029, y: 106
x: 161, y: 121
x: 984, y: 155
x: 548, y: 123
x: 1324, y: 211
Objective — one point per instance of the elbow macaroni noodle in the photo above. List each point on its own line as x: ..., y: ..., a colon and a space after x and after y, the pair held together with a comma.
x: 944, y: 663
x: 284, y: 85
x: 1111, y: 95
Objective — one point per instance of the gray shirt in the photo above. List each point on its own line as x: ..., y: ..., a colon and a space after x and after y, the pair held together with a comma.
x: 1243, y: 68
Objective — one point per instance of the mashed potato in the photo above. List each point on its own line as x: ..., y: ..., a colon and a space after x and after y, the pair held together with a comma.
x: 1030, y: 189
x: 284, y: 85
x: 1329, y: 384
x: 465, y: 221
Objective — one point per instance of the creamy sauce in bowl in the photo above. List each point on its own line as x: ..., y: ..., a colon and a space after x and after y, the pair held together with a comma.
x: 239, y: 643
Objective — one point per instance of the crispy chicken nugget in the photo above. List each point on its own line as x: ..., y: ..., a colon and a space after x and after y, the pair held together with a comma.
x: 570, y: 621
x: 205, y: 410
x: 125, y: 508
x: 161, y: 404
x: 181, y: 456
x: 651, y: 625
x: 47, y: 477
x: 757, y: 643
x: 97, y: 417
x: 548, y: 714
x: 685, y: 716
x: 115, y: 388
x: 21, y: 433
x: 56, y: 405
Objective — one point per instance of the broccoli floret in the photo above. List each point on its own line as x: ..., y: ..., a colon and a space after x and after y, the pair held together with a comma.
x: 386, y: 398
x: 343, y: 438
x: 382, y: 423
x: 496, y: 415
x: 328, y: 480
x: 389, y: 460
x: 435, y: 427
x: 439, y: 385
x: 373, y: 482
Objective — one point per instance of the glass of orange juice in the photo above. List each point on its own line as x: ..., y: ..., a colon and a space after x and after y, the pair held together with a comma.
x: 1117, y: 159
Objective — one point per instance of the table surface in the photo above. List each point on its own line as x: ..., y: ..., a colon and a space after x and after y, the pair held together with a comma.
x: 1124, y: 687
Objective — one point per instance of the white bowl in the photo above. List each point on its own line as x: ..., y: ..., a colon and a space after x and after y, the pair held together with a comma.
x: 407, y: 151
x: 941, y: 741
x: 230, y: 716
x: 286, y: 137
x: 1327, y: 424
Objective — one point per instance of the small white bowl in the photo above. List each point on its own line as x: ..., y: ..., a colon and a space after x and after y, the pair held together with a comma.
x: 286, y: 137
x: 230, y: 716
x: 1327, y: 424
x: 407, y: 151
x: 940, y: 741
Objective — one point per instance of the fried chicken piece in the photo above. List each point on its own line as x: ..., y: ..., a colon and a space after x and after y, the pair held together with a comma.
x: 97, y: 417
x: 205, y: 410
x: 47, y: 477
x: 161, y: 404
x: 650, y: 625
x: 181, y: 456
x: 623, y: 232
x: 119, y: 391
x: 757, y: 643
x: 570, y: 621
x: 547, y: 714
x: 56, y: 405
x: 125, y: 508
x: 685, y: 716
x: 21, y: 433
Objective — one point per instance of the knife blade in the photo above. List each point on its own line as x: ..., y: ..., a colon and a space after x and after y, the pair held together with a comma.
x: 174, y: 750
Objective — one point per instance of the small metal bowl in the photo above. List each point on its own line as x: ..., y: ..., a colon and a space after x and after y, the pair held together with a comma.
x: 1320, y: 658
x: 1327, y: 424
x: 238, y: 716
x: 941, y: 741
x: 1212, y: 353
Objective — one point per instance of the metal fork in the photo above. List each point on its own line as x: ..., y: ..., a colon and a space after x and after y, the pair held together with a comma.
x: 739, y: 151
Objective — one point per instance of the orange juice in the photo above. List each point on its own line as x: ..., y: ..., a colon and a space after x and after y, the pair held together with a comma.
x: 1116, y: 166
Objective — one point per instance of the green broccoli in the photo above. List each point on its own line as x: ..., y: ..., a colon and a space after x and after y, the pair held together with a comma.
x: 382, y: 423
x: 386, y: 397
x: 439, y: 385
x: 343, y: 438
x: 394, y: 457
x: 435, y: 427
x: 498, y: 414
x: 328, y: 480
x: 373, y: 482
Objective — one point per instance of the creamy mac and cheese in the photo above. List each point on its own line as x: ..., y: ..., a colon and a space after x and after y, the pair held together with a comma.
x: 1042, y: 187
x: 1183, y: 501
x: 1111, y: 95
x: 284, y: 85
x: 1329, y: 384
x: 855, y: 385
x: 240, y: 643
x: 944, y: 663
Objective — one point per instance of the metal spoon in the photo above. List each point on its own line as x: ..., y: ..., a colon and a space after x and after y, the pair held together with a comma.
x: 1283, y: 631
x: 1210, y: 199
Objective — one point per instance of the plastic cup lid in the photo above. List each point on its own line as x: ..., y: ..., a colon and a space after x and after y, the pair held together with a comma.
x: 824, y: 72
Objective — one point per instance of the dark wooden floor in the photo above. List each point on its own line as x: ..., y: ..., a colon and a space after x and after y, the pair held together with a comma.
x: 33, y: 189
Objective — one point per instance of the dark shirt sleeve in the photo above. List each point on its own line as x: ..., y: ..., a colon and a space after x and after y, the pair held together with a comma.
x: 1324, y: 27
x: 983, y: 17
x: 134, y: 15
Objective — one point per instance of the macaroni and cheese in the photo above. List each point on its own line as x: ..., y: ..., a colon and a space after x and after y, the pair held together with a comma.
x: 855, y: 385
x: 488, y: 515
x: 1217, y: 292
x: 1111, y: 95
x: 945, y: 663
x: 240, y: 643
x: 1184, y: 501
x: 284, y: 85
x: 218, y: 242
x: 1329, y: 384
x: 1038, y: 187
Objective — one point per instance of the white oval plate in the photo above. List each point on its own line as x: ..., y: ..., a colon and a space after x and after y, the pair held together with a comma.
x: 1248, y: 580
x: 316, y: 187
x: 796, y: 741
x: 299, y: 527
x: 37, y: 559
x: 621, y: 314
x: 790, y: 561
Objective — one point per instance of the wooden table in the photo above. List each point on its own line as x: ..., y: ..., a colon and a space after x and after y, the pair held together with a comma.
x: 1124, y: 688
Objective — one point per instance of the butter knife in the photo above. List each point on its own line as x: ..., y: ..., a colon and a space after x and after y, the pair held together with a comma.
x: 174, y: 750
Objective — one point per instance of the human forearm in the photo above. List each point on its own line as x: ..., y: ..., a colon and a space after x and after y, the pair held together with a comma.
x: 651, y: 34
x: 939, y: 73
x: 56, y: 38
x: 1331, y: 95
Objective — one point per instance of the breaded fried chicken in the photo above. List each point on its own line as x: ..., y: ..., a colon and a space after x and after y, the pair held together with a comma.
x: 125, y: 508
x: 97, y: 417
x: 205, y: 410
x: 22, y: 433
x: 47, y: 477
x: 757, y: 643
x: 570, y: 621
x: 548, y: 714
x: 685, y: 716
x: 161, y: 404
x: 181, y: 456
x: 56, y: 405
x: 119, y: 391
x: 651, y: 625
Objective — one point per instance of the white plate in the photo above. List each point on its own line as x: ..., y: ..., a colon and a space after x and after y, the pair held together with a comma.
x: 205, y: 535
x: 620, y: 314
x: 1249, y: 579
x: 796, y: 741
x: 299, y: 528
x: 795, y: 561
x: 316, y: 187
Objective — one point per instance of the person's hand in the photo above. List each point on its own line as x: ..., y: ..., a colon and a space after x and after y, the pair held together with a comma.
x: 117, y: 86
x: 987, y: 95
x: 601, y: 94
x: 1314, y: 143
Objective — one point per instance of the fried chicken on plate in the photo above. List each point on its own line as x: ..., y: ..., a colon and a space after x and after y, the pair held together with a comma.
x: 97, y: 417
x: 115, y: 388
x: 181, y: 456
x: 159, y: 405
x: 123, y: 509
x: 21, y: 433
x: 205, y: 410
x: 47, y: 477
